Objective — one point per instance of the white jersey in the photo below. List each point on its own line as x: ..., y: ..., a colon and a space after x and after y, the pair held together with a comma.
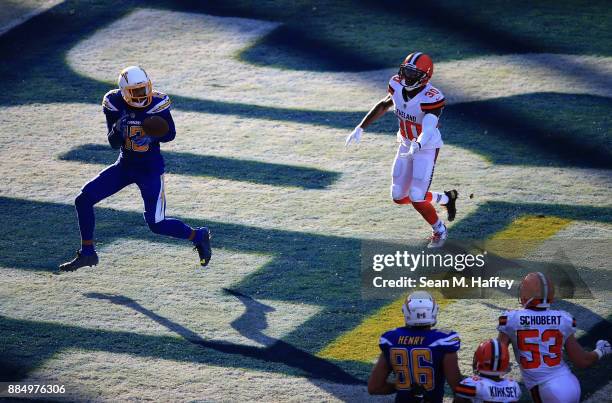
x: 482, y: 390
x: 410, y: 112
x: 538, y: 338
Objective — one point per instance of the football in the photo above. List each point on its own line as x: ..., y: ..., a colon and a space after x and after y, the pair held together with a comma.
x: 155, y: 126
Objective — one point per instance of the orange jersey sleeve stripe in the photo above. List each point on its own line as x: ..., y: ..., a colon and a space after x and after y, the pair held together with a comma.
x: 435, y: 105
x: 466, y: 390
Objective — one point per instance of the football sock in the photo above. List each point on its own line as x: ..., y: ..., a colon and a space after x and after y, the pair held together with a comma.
x: 438, y: 198
x: 85, y: 214
x: 171, y: 227
x: 438, y: 226
x: 198, y: 234
x: 427, y: 210
x: 87, y: 248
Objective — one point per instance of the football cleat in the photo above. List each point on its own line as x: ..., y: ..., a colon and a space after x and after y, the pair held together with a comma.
x: 451, y: 208
x: 437, y: 239
x: 536, y: 291
x: 203, y: 247
x: 491, y: 358
x: 79, y: 261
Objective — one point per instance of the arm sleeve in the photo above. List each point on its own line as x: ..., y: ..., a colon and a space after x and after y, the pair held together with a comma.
x: 430, y: 123
x: 171, y: 128
x: 115, y: 137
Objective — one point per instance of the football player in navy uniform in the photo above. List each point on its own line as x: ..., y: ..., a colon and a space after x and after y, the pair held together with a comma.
x: 140, y: 162
x: 421, y: 358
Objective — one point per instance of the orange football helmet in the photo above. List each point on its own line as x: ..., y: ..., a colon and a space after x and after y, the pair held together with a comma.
x: 416, y: 70
x: 536, y: 291
x: 491, y: 358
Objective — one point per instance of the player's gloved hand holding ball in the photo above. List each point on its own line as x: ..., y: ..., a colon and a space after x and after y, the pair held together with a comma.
x: 142, y: 141
x: 603, y: 348
x: 354, y: 136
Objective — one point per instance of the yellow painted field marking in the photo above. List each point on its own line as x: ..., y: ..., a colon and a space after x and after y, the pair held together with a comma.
x: 524, y: 235
x: 361, y: 343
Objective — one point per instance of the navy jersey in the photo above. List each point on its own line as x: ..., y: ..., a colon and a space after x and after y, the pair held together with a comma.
x: 415, y: 355
x: 148, y: 157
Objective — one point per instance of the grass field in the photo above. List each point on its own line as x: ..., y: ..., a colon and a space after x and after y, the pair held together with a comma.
x: 264, y: 94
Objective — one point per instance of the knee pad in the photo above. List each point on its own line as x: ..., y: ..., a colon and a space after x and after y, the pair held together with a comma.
x: 82, y: 200
x: 397, y: 193
x: 155, y: 227
x: 416, y: 194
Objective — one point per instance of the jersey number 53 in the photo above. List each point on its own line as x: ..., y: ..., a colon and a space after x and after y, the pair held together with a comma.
x: 530, y: 340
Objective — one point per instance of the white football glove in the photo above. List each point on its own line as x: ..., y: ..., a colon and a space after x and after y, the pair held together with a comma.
x: 602, y: 348
x: 354, y: 136
x: 415, y: 147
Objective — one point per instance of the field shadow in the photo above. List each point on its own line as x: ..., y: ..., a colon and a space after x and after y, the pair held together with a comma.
x: 513, y: 130
x: 299, y: 271
x: 278, y: 351
x: 252, y: 323
x: 183, y: 163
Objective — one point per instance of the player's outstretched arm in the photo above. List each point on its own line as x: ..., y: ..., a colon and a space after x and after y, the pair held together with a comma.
x: 584, y: 359
x: 450, y: 365
x: 377, y: 384
x: 376, y: 112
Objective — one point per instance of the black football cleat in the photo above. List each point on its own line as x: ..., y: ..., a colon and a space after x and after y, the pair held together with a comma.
x: 203, y: 247
x: 79, y: 261
x: 451, y: 208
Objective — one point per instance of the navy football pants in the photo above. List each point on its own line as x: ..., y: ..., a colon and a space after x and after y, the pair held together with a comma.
x: 113, y: 179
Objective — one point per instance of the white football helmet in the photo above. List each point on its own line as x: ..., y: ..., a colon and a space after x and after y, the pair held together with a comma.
x: 136, y: 87
x: 420, y: 309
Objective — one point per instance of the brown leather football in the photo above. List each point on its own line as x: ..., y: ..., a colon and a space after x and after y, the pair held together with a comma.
x: 155, y: 126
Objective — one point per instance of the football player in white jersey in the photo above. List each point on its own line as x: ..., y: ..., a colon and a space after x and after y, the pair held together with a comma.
x: 418, y: 106
x: 538, y: 335
x: 491, y: 362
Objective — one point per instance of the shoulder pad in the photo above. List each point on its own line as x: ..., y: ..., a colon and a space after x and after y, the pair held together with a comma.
x: 384, y: 340
x: 471, y: 381
x: 109, y: 100
x: 467, y: 388
x: 432, y: 98
x: 447, y: 339
x: 161, y: 102
x: 394, y: 84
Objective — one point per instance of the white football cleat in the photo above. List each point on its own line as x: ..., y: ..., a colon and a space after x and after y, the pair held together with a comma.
x: 437, y: 239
